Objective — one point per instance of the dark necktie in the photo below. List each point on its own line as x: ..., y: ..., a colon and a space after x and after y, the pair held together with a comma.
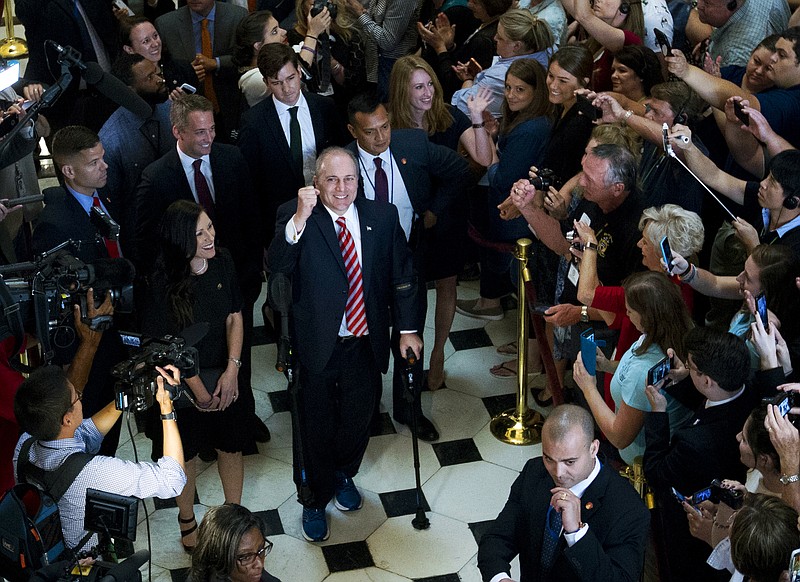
x: 381, y: 183
x: 112, y: 245
x: 355, y: 312
x: 295, y: 139
x: 203, y: 192
x: 552, y: 534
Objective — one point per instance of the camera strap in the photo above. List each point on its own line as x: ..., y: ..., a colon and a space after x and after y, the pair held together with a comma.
x: 13, y: 318
x: 56, y: 482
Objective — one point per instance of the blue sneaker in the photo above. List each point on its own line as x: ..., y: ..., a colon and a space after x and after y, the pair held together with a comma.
x: 315, y: 526
x: 347, y: 496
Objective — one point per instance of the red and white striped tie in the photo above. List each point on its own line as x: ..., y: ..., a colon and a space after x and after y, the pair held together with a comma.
x: 355, y: 313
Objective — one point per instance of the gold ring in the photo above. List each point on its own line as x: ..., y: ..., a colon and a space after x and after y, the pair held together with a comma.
x: 563, y: 496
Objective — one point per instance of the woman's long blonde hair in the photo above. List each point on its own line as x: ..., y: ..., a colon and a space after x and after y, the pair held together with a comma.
x: 437, y: 118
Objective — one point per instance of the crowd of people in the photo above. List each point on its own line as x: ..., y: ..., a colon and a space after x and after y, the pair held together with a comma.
x: 646, y: 147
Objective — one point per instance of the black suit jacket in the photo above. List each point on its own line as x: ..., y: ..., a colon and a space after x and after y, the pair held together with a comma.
x: 612, y: 549
x: 434, y: 175
x: 319, y: 280
x: 705, y: 449
x: 55, y: 20
x: 264, y: 146
x: 164, y: 181
x: 63, y: 218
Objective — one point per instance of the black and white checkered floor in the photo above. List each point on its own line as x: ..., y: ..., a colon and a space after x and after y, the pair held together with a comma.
x: 466, y: 477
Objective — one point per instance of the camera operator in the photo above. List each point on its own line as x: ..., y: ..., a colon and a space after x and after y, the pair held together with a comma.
x: 48, y: 408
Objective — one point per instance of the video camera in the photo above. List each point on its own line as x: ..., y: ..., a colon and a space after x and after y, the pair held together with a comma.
x: 136, y: 377
x: 38, y: 299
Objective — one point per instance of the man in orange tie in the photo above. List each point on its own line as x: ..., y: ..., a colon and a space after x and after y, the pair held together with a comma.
x: 203, y: 32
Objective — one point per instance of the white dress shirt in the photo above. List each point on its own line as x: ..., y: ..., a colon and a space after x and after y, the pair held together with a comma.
x: 306, y: 132
x: 398, y: 194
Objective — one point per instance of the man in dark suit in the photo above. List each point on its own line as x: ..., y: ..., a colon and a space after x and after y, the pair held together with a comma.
x: 203, y: 32
x: 341, y: 328
x: 569, y: 517
x: 86, y: 25
x: 705, y: 448
x: 216, y: 177
x: 423, y: 181
x: 78, y: 154
x: 265, y: 137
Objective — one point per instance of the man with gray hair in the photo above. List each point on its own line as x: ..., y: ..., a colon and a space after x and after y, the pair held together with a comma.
x: 569, y: 516
x: 611, y: 205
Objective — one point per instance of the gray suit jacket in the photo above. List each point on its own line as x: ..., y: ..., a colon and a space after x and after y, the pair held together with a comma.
x: 177, y: 35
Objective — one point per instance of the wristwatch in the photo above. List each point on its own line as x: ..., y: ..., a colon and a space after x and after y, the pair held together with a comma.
x: 236, y: 361
x: 787, y: 479
x: 170, y: 416
x: 584, y: 314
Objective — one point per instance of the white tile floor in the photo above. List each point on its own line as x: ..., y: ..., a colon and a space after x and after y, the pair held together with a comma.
x: 458, y: 494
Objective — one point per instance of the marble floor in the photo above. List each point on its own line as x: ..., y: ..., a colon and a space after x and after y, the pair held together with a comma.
x: 466, y: 476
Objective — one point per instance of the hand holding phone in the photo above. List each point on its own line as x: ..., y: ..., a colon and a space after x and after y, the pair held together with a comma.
x: 666, y: 252
x: 738, y: 109
x: 761, y: 309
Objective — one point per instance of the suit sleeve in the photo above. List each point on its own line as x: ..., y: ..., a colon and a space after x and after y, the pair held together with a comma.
x: 451, y: 174
x: 146, y: 221
x: 281, y: 256
x: 404, y: 280
x: 619, y: 557
x: 498, y: 546
x: 664, y: 465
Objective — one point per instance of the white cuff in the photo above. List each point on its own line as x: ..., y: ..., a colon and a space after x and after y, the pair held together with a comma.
x: 574, y: 537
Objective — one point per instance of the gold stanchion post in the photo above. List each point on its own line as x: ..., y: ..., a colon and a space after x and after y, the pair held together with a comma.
x: 11, y: 47
x: 520, y: 425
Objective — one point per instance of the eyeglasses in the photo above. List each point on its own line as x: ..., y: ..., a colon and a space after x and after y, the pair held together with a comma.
x: 248, y: 559
x: 80, y: 397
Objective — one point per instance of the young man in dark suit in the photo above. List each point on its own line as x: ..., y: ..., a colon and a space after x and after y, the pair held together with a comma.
x: 266, y: 133
x: 717, y: 365
x: 423, y: 181
x: 341, y: 328
x: 569, y: 517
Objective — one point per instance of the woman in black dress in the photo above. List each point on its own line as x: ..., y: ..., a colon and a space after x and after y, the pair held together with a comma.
x: 195, y: 282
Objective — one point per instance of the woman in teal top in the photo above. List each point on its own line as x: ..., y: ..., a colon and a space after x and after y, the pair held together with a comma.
x: 656, y: 308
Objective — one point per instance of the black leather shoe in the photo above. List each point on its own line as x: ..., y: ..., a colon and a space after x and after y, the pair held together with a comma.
x: 425, y: 429
x: 260, y: 430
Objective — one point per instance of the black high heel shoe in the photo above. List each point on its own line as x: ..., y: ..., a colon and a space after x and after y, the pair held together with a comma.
x: 187, y: 532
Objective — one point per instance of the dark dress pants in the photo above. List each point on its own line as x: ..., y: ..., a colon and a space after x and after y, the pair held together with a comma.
x: 335, y: 412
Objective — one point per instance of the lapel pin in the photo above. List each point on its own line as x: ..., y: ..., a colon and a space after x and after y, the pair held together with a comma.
x: 219, y: 285
x: 369, y: 228
x: 403, y: 161
x: 589, y: 505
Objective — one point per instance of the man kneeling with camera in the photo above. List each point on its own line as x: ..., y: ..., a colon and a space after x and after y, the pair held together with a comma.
x: 48, y: 408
